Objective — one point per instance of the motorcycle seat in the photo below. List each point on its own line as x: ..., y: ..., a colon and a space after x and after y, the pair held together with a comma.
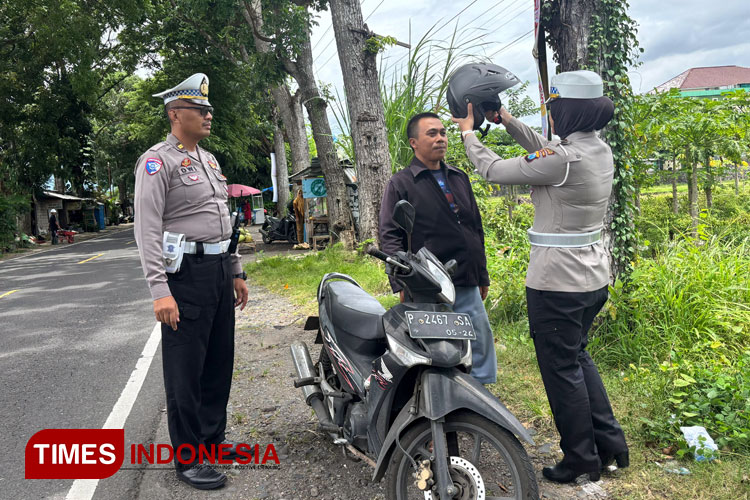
x: 355, y: 311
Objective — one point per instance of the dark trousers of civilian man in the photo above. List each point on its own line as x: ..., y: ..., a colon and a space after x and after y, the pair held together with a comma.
x: 198, y: 358
x: 559, y: 324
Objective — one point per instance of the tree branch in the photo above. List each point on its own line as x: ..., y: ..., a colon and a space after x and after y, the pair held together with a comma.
x: 221, y: 46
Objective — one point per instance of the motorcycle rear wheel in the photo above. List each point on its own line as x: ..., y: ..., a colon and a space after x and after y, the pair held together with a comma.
x: 292, y: 236
x: 479, y: 447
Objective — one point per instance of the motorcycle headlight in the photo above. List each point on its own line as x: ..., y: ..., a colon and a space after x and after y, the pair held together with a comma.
x: 447, y: 292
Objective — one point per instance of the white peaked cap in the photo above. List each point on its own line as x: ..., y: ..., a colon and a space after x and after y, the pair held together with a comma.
x: 193, y: 89
x: 580, y: 84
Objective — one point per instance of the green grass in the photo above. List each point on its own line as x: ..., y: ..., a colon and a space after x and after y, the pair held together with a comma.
x: 298, y: 278
x: 683, y: 188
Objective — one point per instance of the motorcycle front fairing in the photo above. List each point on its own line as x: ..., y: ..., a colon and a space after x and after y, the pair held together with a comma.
x: 390, y: 377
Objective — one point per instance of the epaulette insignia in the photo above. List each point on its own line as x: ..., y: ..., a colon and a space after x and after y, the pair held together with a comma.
x: 186, y: 162
x: 180, y: 146
x: 542, y: 153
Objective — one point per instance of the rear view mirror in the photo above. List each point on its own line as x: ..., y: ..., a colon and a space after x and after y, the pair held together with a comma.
x: 403, y: 216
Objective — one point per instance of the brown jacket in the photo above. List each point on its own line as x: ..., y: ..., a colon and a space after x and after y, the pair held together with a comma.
x: 566, y: 200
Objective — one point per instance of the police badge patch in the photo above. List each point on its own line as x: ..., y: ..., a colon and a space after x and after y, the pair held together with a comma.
x: 153, y: 165
x: 186, y: 162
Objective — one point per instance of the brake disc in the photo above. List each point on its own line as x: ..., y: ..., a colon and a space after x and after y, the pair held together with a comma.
x: 467, y: 478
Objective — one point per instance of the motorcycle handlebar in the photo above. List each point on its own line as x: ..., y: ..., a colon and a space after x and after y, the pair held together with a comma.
x: 386, y: 258
x: 378, y: 254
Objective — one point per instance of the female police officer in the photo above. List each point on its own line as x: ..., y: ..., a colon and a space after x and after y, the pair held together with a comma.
x: 568, y: 274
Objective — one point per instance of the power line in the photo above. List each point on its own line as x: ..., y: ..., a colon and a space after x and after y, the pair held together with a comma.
x: 395, y: 64
x: 330, y: 25
x: 512, y: 43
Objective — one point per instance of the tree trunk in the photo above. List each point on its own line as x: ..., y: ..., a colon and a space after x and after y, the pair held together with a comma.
x: 288, y: 105
x: 675, y: 200
x: 569, y: 29
x: 736, y: 179
x: 359, y: 69
x: 340, y: 221
x: 709, y: 182
x: 282, y: 170
x: 290, y: 111
x: 692, y: 190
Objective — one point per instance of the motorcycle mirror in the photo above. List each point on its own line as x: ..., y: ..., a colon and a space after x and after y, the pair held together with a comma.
x: 404, y: 215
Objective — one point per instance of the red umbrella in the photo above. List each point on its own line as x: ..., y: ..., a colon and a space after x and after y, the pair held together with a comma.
x: 239, y: 190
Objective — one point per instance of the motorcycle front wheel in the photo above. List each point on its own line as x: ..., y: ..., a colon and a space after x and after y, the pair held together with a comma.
x: 486, y: 462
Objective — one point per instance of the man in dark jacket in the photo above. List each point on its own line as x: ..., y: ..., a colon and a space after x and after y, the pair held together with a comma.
x: 449, y: 224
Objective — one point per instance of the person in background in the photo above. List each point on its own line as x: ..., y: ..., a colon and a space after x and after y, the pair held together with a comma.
x: 248, y: 211
x: 299, y: 216
x: 54, y: 226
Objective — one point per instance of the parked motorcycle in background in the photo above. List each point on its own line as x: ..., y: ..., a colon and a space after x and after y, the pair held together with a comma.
x: 395, y: 385
x: 275, y: 228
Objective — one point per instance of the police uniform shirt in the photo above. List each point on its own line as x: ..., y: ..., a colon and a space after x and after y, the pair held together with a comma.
x: 566, y: 200
x: 180, y: 192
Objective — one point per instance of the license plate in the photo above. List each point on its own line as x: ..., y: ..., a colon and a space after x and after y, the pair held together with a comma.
x: 440, y: 325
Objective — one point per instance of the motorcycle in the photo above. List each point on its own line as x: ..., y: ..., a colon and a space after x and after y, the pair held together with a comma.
x: 275, y: 228
x: 395, y: 385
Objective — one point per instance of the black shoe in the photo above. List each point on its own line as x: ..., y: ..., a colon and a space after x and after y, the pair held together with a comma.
x: 561, y: 474
x: 622, y: 460
x: 230, y: 452
x: 202, y: 476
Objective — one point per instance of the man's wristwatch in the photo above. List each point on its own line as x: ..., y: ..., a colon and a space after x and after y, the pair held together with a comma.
x: 242, y: 276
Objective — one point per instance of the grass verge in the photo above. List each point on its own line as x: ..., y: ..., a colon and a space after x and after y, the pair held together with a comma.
x: 519, y: 385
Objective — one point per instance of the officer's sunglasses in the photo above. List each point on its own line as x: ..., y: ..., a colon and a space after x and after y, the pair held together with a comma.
x: 204, y: 110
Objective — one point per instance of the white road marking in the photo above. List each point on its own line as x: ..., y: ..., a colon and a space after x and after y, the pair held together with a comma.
x: 83, y: 489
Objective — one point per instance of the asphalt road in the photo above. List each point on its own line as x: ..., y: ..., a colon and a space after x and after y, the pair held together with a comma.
x: 70, y: 336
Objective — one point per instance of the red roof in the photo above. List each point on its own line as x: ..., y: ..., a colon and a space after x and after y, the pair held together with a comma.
x: 707, y: 78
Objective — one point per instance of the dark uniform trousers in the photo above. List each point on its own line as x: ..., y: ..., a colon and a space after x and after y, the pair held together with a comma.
x: 198, y: 358
x: 559, y: 324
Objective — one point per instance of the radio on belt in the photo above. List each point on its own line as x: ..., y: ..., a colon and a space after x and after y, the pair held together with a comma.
x: 173, y: 248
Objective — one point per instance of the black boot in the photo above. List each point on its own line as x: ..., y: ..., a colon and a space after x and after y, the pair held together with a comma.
x: 561, y: 474
x: 622, y: 460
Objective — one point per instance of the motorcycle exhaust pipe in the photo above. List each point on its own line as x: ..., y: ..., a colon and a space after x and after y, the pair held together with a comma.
x: 305, y: 370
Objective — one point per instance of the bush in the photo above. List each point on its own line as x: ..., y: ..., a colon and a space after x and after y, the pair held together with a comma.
x: 507, y: 249
x: 682, y: 328
x: 10, y: 207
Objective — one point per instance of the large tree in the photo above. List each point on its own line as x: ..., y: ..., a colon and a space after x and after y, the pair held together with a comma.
x: 357, y: 49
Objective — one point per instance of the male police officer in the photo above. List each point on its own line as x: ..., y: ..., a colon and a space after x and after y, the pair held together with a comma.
x: 182, y: 227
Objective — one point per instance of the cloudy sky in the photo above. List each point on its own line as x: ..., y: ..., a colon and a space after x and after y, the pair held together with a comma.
x: 675, y: 34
